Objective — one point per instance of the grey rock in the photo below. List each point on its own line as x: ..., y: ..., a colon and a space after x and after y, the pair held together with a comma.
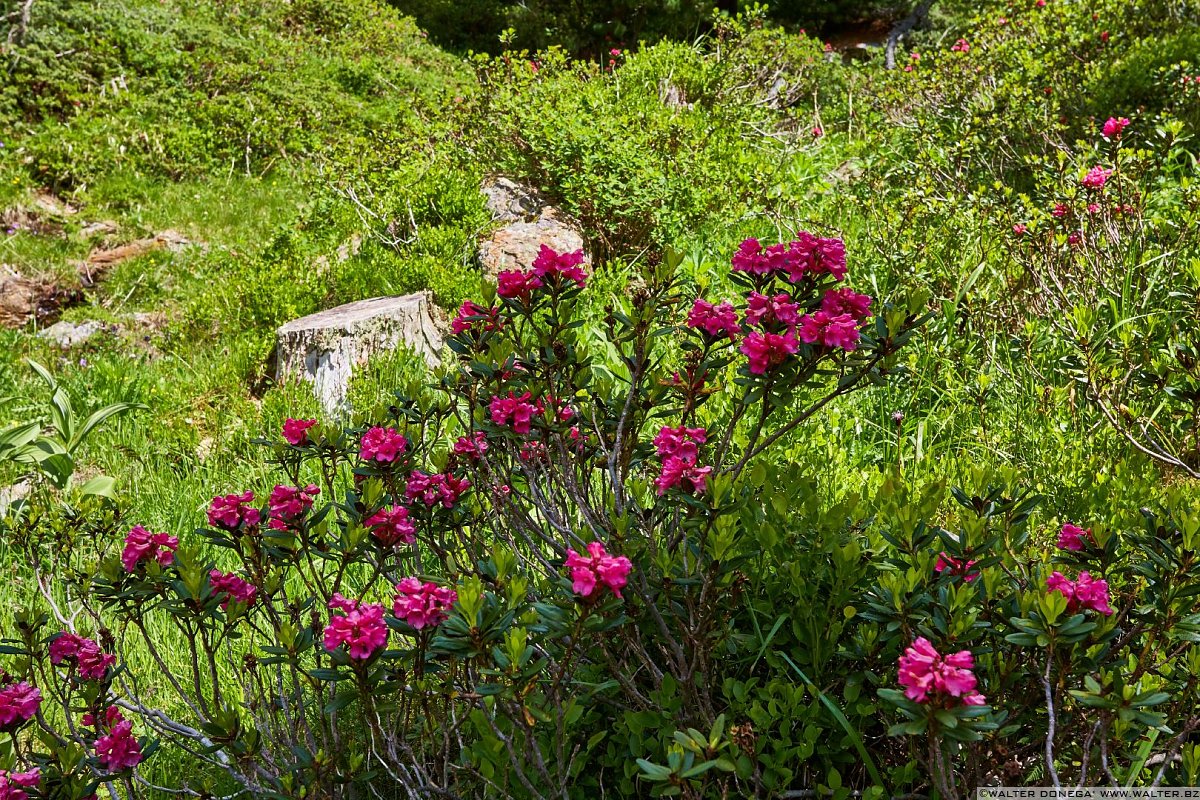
x: 13, y: 493
x: 70, y: 334
x: 323, y: 349
x: 510, y: 201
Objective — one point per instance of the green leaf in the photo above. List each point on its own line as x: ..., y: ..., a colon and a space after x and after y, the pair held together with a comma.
x: 100, y: 486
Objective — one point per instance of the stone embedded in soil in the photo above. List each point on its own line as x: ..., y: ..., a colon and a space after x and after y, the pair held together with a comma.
x: 69, y: 334
x: 530, y: 224
x: 323, y: 349
x: 23, y: 300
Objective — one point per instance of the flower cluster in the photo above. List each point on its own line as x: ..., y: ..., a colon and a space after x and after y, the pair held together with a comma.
x: 679, y: 449
x: 141, y: 545
x: 925, y: 672
x: 18, y: 703
x: 549, y: 266
x: 116, y: 749
x: 777, y: 310
x: 1073, y: 537
x: 443, y: 488
x: 359, y: 627
x: 765, y: 351
x: 961, y: 46
x: 288, y: 504
x: 1096, y: 177
x: 716, y: 320
x: 839, y: 320
x: 1114, y: 127
x: 234, y: 589
x: 382, y: 445
x: 231, y: 511
x: 85, y: 655
x: 391, y: 526
x: 515, y: 411
x: 474, y: 317
x: 295, y: 431
x: 1085, y: 592
x: 806, y: 256
x: 422, y: 605
x: 14, y: 784
x: 473, y: 446
x: 958, y: 567
x: 595, y: 568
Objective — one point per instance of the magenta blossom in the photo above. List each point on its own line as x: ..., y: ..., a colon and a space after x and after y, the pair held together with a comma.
x: 232, y: 587
x: 141, y: 545
x: 715, y: 320
x: 836, y: 302
x: 422, y: 605
x: 117, y: 750
x: 1060, y: 210
x: 443, y: 489
x: 961, y: 46
x: 295, y: 431
x: 959, y: 567
x: 391, y: 526
x: 14, y: 784
x: 1071, y: 537
x: 1096, y: 177
x: 554, y: 266
x: 472, y: 447
x: 595, y: 568
x: 231, y: 511
x: 515, y: 284
x: 1114, y: 127
x: 93, y: 663
x: 514, y: 410
x: 288, y: 504
x: 828, y: 330
x: 928, y: 676
x: 1085, y: 592
x: 679, y: 450
x: 472, y: 316
x: 766, y: 351
x: 382, y: 445
x: 360, y: 628
x: 18, y: 703
x: 766, y: 310
x: 1019, y: 229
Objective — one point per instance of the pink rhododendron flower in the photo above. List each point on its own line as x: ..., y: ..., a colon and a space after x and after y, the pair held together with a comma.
x: 14, y: 784
x: 360, y: 628
x: 1085, y: 592
x: 142, y: 545
x: 1114, y: 127
x: 118, y: 749
x: 443, y: 489
x: 926, y: 675
x: 513, y: 410
x: 1071, y: 537
x: 836, y: 302
x: 553, y: 266
x: 18, y: 703
x: 829, y: 330
x: 422, y: 605
x: 778, y: 309
x: 959, y: 567
x: 1074, y: 238
x: 806, y: 256
x: 1096, y: 178
x: 382, y: 445
x: 473, y: 447
x: 597, y: 567
x: 961, y: 46
x: 472, y: 316
x: 391, y: 526
x: 1093, y: 208
x: 679, y: 450
x: 817, y: 133
x: 233, y: 510
x: 287, y: 504
x: 1060, y: 210
x: 715, y: 320
x: 749, y: 258
x: 681, y: 441
x: 766, y: 351
x: 85, y: 654
x: 515, y: 284
x: 234, y: 588
x: 295, y: 431
x: 1019, y: 229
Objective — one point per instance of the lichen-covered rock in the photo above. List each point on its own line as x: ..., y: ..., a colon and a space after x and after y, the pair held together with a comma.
x: 510, y: 201
x: 324, y: 348
x: 516, y: 245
